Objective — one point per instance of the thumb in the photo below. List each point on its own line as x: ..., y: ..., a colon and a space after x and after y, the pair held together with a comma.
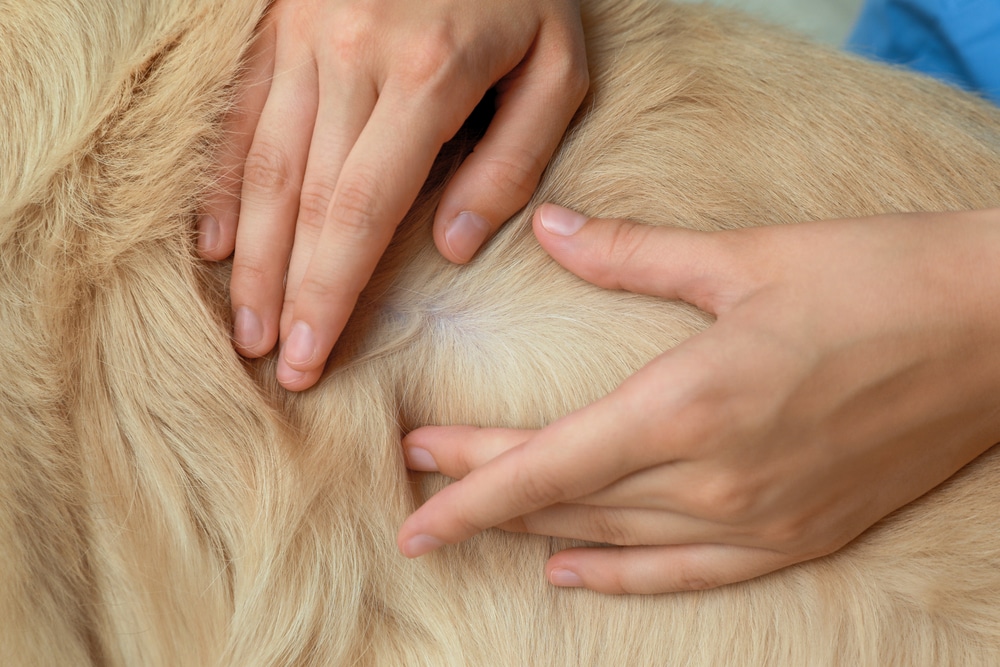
x: 701, y: 268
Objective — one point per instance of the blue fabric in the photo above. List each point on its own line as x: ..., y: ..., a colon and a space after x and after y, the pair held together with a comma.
x: 957, y: 41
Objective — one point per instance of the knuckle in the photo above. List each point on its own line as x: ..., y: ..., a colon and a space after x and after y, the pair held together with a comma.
x: 356, y: 25
x: 789, y: 536
x: 314, y: 204
x: 514, y: 177
x: 575, y: 77
x: 624, y: 583
x: 688, y: 573
x: 250, y: 274
x: 535, y: 488
x: 607, y: 525
x: 626, y: 242
x: 802, y: 537
x: 353, y: 208
x: 267, y: 169
x: 434, y: 57
x: 727, y: 497
x: 318, y: 290
x: 690, y: 579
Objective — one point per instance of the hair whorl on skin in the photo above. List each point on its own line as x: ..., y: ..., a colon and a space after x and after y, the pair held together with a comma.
x: 164, y: 503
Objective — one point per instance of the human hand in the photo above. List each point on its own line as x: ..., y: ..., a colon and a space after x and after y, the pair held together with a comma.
x: 852, y: 367
x: 344, y: 107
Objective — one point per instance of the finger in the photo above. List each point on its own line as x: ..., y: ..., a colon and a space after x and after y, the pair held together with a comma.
x: 499, y: 177
x: 217, y: 223
x: 624, y: 526
x: 702, y: 268
x: 665, y: 569
x: 675, y: 487
x: 456, y: 451
x: 378, y: 184
x: 571, y: 458
x: 345, y: 105
x: 272, y: 180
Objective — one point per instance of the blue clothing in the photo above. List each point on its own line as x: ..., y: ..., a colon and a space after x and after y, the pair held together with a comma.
x: 957, y: 41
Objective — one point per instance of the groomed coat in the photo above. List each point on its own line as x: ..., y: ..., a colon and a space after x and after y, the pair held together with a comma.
x: 163, y: 502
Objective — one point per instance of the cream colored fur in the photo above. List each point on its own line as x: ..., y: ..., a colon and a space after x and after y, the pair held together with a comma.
x: 164, y: 503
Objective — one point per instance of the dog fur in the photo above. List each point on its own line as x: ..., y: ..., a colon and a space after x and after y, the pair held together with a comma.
x: 163, y: 502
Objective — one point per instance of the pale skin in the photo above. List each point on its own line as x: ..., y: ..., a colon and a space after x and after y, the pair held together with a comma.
x: 342, y: 110
x: 850, y: 370
x: 852, y: 367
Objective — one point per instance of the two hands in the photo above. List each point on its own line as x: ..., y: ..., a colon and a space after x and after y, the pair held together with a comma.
x: 343, y: 109
x: 849, y: 370
x: 852, y: 368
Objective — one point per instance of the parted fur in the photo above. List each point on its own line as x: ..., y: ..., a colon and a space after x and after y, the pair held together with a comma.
x: 163, y: 502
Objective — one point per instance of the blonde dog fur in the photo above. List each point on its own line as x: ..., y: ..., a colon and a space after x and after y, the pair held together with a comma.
x: 163, y: 502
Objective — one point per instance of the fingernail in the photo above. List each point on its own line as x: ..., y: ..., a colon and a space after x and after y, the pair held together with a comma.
x: 420, y: 545
x: 247, y: 328
x: 208, y: 233
x: 561, y: 221
x: 420, y: 460
x: 300, y: 348
x: 287, y: 375
x: 465, y: 234
x: 565, y: 579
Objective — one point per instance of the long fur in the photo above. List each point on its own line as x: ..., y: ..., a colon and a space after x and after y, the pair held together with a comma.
x: 163, y: 502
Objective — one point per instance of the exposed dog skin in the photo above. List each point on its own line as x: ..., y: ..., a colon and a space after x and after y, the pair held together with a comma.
x: 164, y: 503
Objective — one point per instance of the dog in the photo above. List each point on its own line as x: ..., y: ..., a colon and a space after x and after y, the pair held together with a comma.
x: 165, y: 502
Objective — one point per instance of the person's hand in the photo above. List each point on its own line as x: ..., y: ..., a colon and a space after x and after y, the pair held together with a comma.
x: 853, y: 366
x: 342, y: 111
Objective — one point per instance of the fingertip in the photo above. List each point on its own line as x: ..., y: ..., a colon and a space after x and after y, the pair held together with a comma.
x: 605, y: 570
x: 659, y: 260
x: 419, y: 545
x: 422, y: 437
x: 492, y: 184
x: 422, y: 448
x: 208, y: 236
x: 215, y: 241
x: 553, y: 220
x: 414, y: 538
x: 564, y: 578
x: 301, y: 349
x: 578, y: 243
x: 294, y: 380
x: 250, y: 335
x: 302, y: 357
x: 420, y: 460
x: 574, y: 568
x: 463, y: 236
